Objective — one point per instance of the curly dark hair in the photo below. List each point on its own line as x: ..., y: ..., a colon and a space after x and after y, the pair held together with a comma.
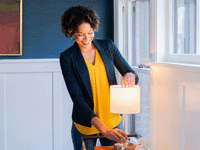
x: 76, y: 15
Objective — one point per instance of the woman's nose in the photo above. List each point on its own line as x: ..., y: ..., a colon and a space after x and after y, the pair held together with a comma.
x: 86, y: 37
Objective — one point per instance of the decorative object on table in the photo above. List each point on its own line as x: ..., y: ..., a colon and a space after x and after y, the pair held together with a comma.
x: 141, y: 147
x: 144, y: 141
x: 104, y: 148
x: 11, y: 28
x: 143, y: 144
x: 124, y: 100
x: 123, y: 146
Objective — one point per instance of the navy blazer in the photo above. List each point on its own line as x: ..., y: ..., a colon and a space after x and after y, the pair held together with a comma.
x: 76, y: 76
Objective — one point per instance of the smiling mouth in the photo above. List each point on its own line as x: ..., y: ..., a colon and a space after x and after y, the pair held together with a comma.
x: 86, y: 43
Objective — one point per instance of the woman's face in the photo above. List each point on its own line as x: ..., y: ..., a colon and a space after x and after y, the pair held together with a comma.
x: 84, y: 36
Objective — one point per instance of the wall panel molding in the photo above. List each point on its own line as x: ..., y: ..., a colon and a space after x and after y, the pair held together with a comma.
x: 35, y: 106
x: 2, y: 113
x: 56, y: 110
x: 174, y: 106
x: 29, y: 65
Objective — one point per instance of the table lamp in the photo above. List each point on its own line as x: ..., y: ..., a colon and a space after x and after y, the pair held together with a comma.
x: 124, y: 100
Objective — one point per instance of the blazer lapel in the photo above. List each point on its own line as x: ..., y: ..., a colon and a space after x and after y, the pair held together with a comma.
x: 82, y: 69
x: 105, y: 57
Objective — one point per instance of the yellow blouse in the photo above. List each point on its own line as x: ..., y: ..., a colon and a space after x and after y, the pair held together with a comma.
x: 101, y: 97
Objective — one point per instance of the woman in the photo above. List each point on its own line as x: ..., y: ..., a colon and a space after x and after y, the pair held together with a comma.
x: 88, y: 70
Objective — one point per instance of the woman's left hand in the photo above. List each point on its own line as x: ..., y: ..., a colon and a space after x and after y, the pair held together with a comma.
x: 128, y: 80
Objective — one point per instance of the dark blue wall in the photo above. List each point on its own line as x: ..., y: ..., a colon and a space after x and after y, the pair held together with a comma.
x: 42, y: 36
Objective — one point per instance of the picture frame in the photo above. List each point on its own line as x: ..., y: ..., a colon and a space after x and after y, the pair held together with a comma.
x: 11, y: 27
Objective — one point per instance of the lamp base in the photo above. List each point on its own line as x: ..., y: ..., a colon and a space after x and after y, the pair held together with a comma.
x: 124, y: 122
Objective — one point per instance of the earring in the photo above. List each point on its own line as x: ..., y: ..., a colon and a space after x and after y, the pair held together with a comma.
x: 72, y: 38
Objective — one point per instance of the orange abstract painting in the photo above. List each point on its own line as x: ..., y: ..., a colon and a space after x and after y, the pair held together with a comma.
x: 11, y: 28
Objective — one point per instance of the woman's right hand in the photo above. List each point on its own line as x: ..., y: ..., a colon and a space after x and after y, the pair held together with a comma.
x: 112, y: 134
x: 115, y: 135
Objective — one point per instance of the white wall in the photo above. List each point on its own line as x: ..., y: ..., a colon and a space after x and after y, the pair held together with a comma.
x: 142, y: 118
x: 174, y: 106
x: 35, y: 107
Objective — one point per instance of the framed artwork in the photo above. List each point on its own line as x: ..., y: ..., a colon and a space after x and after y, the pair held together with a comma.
x: 11, y: 27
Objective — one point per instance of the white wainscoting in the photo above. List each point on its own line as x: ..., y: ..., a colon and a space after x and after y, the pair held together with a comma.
x: 35, y: 107
x: 174, y: 106
x: 141, y: 120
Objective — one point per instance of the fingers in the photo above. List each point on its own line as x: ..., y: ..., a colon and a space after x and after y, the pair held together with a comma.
x: 128, y: 80
x: 111, y: 135
x: 121, y: 138
x: 116, y: 135
x: 132, y: 82
x: 123, y: 82
x: 118, y: 138
x: 122, y: 135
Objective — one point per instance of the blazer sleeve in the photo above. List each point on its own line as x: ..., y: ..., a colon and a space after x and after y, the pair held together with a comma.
x: 74, y: 89
x: 120, y: 63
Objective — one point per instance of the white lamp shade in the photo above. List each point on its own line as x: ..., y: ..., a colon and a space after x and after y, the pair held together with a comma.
x: 124, y: 100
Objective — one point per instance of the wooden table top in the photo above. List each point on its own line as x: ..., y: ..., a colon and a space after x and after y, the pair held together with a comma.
x: 104, y: 148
